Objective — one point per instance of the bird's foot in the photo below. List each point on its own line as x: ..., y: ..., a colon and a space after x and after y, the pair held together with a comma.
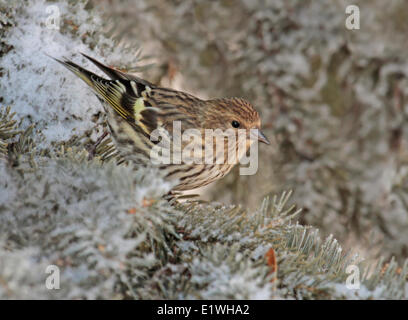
x: 92, y: 148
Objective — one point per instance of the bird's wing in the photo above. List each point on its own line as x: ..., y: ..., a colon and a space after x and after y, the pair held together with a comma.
x: 139, y: 102
x: 115, y: 74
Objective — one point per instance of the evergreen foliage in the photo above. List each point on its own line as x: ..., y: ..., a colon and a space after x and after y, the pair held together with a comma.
x: 107, y: 226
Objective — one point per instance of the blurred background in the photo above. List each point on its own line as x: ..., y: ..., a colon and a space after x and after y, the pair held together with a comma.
x: 334, y: 99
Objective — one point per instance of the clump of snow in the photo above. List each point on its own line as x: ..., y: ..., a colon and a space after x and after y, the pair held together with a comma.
x: 221, y: 280
x: 342, y: 291
x: 76, y: 216
x: 22, y: 276
x: 40, y: 89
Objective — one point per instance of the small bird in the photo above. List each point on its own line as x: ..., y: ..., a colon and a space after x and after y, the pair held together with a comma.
x: 138, y: 111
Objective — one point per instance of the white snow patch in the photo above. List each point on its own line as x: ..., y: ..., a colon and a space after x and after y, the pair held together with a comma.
x: 39, y: 88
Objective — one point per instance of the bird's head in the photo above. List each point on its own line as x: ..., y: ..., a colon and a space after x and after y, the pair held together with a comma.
x: 235, y: 114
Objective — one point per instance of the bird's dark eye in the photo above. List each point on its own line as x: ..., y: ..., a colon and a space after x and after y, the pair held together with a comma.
x: 235, y: 124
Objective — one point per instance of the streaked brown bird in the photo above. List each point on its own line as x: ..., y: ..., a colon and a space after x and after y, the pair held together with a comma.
x: 143, y: 116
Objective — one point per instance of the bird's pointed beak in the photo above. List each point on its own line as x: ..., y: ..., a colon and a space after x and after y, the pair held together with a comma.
x: 262, y: 138
x: 258, y: 135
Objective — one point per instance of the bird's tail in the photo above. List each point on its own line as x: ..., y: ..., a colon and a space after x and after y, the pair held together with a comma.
x: 86, y: 75
x: 114, y: 92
